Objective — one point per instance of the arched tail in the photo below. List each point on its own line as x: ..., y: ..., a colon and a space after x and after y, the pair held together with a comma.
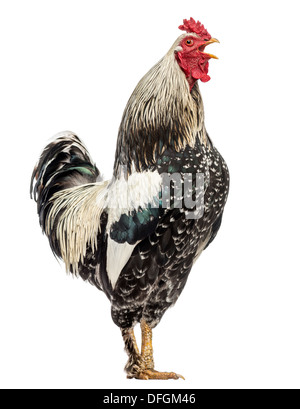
x: 64, y: 163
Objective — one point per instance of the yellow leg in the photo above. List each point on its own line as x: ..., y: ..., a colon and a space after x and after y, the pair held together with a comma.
x: 141, y: 366
x: 147, y: 369
x: 147, y: 349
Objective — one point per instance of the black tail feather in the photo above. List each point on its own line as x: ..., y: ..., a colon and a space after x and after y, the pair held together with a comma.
x: 64, y: 163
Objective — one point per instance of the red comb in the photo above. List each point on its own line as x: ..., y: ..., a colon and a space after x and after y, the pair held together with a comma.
x: 191, y: 26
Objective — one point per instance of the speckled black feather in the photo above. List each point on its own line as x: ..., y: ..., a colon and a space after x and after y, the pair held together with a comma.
x: 158, y: 269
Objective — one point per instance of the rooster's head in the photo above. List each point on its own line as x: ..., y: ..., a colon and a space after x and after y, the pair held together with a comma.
x: 190, y: 53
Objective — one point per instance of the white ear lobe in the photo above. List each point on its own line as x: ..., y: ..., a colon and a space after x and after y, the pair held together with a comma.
x: 178, y: 48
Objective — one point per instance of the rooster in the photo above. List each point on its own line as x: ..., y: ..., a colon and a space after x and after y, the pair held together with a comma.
x: 122, y: 235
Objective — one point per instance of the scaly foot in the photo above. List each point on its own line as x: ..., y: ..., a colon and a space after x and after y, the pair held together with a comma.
x: 141, y: 366
x: 152, y: 374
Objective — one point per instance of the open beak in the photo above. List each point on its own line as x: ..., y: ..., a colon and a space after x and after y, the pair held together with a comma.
x: 212, y: 40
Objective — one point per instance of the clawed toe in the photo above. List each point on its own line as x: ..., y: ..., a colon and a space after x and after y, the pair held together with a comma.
x: 153, y: 374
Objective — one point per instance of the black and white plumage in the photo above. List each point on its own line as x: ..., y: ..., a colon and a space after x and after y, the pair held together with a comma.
x: 116, y: 234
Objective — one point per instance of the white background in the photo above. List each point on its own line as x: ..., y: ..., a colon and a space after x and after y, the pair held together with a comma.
x: 73, y: 65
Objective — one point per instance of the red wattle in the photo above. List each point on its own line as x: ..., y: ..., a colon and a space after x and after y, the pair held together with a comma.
x: 194, y: 67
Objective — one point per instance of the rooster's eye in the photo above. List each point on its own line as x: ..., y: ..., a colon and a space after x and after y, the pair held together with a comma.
x: 189, y: 42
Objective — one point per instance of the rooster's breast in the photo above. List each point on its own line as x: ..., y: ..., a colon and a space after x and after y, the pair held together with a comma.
x: 157, y: 271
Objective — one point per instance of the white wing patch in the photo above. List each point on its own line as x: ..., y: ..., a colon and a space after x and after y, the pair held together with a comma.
x: 117, y: 256
x: 125, y: 195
